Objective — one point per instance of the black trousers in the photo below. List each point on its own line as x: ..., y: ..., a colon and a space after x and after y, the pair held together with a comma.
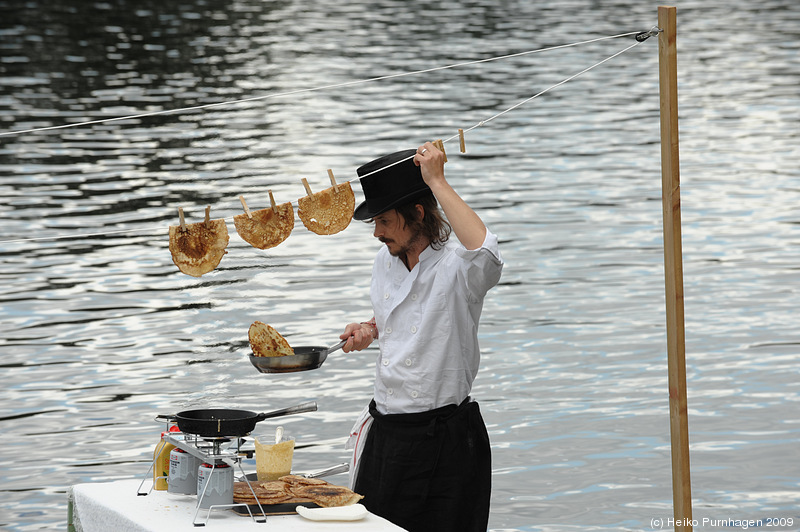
x: 430, y: 471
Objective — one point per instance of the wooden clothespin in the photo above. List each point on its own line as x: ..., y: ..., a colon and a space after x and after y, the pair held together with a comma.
x: 440, y: 145
x: 308, y: 188
x: 333, y: 181
x: 461, y: 142
x: 183, y: 222
x: 208, y: 214
x: 244, y: 206
x: 272, y: 202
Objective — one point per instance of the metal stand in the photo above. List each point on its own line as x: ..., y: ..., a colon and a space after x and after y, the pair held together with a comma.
x: 209, y: 451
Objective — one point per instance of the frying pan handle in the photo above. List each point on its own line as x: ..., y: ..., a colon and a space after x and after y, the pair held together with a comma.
x: 310, y: 406
x: 341, y: 468
x: 336, y: 347
x: 165, y: 418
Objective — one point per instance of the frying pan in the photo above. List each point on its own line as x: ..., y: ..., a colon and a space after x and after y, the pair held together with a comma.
x: 303, y: 359
x: 226, y: 422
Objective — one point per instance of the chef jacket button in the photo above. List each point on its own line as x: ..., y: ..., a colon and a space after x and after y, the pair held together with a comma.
x: 390, y: 391
x: 413, y: 297
x: 388, y: 330
x: 413, y: 328
x: 385, y: 362
x: 386, y: 295
x: 408, y: 362
x: 414, y: 394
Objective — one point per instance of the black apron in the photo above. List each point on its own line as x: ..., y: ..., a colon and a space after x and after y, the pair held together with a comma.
x: 429, y: 471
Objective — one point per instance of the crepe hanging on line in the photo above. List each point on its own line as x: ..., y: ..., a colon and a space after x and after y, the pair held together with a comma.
x: 199, y: 248
x: 266, y: 228
x: 329, y: 211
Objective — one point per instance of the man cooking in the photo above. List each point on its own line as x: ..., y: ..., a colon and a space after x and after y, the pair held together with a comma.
x: 426, y: 460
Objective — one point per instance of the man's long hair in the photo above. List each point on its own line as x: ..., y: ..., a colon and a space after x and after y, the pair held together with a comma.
x: 432, y: 226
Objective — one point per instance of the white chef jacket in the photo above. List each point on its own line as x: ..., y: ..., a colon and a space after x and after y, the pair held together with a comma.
x: 428, y: 324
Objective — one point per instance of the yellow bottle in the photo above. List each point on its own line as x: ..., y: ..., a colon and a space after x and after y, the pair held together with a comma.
x: 161, y: 463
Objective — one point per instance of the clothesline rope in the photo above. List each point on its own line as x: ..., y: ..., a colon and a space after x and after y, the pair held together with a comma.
x: 519, y: 104
x: 159, y: 229
x: 311, y: 89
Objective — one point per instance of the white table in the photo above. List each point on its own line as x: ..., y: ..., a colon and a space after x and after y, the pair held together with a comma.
x: 100, y: 507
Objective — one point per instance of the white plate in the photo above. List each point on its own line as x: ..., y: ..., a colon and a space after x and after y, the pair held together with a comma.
x: 354, y: 512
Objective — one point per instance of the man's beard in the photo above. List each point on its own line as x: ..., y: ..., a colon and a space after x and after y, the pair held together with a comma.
x: 403, y: 250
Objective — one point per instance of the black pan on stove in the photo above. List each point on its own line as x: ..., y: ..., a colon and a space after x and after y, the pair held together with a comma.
x: 227, y: 422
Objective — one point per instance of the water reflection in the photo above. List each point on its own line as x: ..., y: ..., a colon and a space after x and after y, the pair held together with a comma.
x: 101, y: 333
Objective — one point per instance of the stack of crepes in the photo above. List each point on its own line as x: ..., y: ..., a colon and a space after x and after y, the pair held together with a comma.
x: 294, y: 489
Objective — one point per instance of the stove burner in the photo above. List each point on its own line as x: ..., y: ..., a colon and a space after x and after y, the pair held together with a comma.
x: 215, y: 476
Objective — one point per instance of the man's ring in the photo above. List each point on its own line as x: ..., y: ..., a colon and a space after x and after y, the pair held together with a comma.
x: 423, y: 151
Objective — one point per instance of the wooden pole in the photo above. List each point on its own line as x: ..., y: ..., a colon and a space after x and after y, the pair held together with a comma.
x: 673, y: 270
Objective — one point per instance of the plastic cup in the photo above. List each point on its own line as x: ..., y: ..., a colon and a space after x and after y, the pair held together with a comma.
x: 275, y: 460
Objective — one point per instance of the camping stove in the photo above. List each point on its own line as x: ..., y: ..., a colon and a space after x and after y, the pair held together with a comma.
x: 218, y: 458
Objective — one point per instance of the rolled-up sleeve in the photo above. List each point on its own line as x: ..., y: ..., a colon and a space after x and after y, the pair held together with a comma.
x: 482, y: 267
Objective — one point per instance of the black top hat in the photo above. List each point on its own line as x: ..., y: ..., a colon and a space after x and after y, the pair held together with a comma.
x: 389, y: 182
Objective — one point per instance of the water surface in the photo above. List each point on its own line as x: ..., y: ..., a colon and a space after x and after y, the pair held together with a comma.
x: 101, y: 332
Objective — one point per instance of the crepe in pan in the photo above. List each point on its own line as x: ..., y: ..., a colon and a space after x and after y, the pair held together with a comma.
x: 265, y: 341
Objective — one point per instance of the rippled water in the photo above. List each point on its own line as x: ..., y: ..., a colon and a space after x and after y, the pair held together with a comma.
x: 100, y: 332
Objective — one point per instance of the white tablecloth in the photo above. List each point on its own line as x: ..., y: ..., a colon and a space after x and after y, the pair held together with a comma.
x: 101, y: 507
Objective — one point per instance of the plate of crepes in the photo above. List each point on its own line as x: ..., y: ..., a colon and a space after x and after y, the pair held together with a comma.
x: 273, y: 354
x: 290, y: 493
